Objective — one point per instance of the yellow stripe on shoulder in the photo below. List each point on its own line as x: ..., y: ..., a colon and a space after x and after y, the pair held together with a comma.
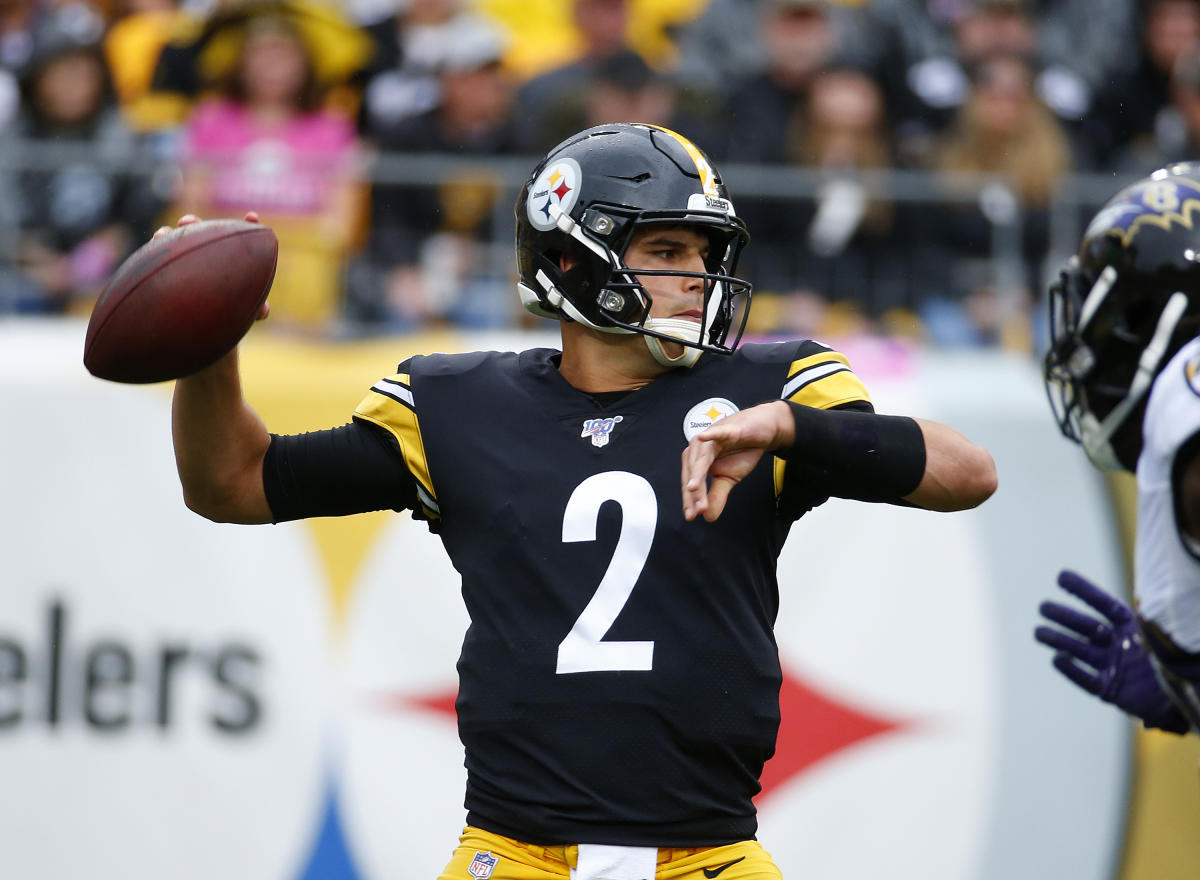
x: 390, y: 405
x: 822, y: 381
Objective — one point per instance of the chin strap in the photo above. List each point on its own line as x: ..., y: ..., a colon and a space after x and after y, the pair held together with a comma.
x: 556, y: 305
x: 680, y: 329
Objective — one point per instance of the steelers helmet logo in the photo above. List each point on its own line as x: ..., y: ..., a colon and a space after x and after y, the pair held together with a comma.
x: 703, y: 415
x: 554, y: 192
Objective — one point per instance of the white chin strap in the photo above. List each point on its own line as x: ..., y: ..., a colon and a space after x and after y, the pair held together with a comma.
x: 680, y: 329
x: 556, y: 305
x: 1095, y: 434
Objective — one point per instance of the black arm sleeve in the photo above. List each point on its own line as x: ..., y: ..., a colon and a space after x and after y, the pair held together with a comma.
x: 351, y: 469
x: 856, y: 453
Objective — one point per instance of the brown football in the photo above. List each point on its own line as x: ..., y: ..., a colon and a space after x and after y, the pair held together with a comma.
x: 181, y: 301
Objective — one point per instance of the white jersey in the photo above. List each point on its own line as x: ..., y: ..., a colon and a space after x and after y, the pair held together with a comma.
x: 1167, y: 562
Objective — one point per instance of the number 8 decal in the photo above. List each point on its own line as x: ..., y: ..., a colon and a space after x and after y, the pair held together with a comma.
x: 582, y: 650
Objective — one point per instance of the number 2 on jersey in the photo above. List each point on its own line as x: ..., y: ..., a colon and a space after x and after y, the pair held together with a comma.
x: 582, y: 650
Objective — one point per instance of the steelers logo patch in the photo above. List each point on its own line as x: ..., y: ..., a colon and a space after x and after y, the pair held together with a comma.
x: 703, y: 415
x: 555, y: 191
x: 1191, y: 372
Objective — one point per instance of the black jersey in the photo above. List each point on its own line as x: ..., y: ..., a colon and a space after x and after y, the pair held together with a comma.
x: 619, y: 680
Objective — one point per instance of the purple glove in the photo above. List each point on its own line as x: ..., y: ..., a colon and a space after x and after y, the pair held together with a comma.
x: 1110, y: 661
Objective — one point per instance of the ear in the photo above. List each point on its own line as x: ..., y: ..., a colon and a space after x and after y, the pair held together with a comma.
x: 566, y: 263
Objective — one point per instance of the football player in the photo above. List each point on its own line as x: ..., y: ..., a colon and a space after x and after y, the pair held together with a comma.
x: 1123, y: 373
x: 619, y: 680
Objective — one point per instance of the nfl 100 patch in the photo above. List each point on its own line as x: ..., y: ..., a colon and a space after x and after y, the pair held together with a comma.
x: 600, y: 430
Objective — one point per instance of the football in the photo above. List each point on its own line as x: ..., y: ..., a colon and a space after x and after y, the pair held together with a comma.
x: 181, y: 301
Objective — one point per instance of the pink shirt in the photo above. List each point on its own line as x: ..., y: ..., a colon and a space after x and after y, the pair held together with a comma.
x: 289, y: 168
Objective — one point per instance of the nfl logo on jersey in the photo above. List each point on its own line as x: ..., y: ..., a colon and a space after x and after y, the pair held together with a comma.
x: 600, y: 429
x: 482, y: 865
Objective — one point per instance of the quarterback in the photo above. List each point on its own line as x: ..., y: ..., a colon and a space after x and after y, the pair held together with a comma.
x: 1123, y: 373
x: 617, y: 525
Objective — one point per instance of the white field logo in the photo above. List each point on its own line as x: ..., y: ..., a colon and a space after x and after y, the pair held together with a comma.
x: 554, y: 192
x: 703, y: 415
x: 163, y: 685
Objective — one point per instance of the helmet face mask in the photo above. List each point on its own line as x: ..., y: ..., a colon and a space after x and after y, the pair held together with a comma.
x: 583, y: 207
x: 1067, y: 362
x: 1090, y: 366
x: 1119, y: 311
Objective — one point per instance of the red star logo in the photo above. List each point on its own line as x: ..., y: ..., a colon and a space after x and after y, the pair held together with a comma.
x: 813, y: 726
x: 561, y: 190
x: 438, y: 702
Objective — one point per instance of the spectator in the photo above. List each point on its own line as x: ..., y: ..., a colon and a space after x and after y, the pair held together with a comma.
x: 177, y: 79
x: 625, y: 87
x: 1003, y: 129
x: 132, y: 48
x: 267, y: 144
x: 427, y: 261
x: 26, y: 27
x: 203, y: 48
x: 937, y: 57
x: 767, y: 114
x: 402, y: 80
x: 725, y: 43
x: 762, y: 111
x: 545, y: 103
x: 76, y: 220
x: 853, y: 241
x: 1089, y: 37
x: 838, y: 255
x: 1177, y: 133
x: 1128, y: 117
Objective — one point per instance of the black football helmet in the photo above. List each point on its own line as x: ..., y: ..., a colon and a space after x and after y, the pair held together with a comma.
x: 1121, y: 308
x: 586, y: 200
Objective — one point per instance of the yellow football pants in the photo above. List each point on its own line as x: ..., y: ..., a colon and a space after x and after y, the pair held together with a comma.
x: 507, y: 859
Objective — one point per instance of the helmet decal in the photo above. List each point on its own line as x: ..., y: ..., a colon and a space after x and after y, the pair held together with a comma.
x: 708, y: 177
x: 554, y: 192
x: 1155, y: 202
x: 704, y: 202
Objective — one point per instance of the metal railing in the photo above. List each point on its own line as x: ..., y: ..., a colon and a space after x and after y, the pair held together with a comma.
x: 1073, y: 200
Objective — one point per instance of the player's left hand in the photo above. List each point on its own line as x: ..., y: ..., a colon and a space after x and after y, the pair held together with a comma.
x: 1110, y: 660
x: 727, y: 452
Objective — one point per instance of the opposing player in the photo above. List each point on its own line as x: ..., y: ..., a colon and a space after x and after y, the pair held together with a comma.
x: 1123, y: 373
x: 619, y: 680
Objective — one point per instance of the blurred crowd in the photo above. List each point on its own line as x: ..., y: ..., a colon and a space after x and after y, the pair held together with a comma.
x: 119, y: 115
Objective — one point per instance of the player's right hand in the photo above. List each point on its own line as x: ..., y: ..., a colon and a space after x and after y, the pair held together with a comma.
x: 715, y: 461
x: 188, y: 219
x: 1109, y: 659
